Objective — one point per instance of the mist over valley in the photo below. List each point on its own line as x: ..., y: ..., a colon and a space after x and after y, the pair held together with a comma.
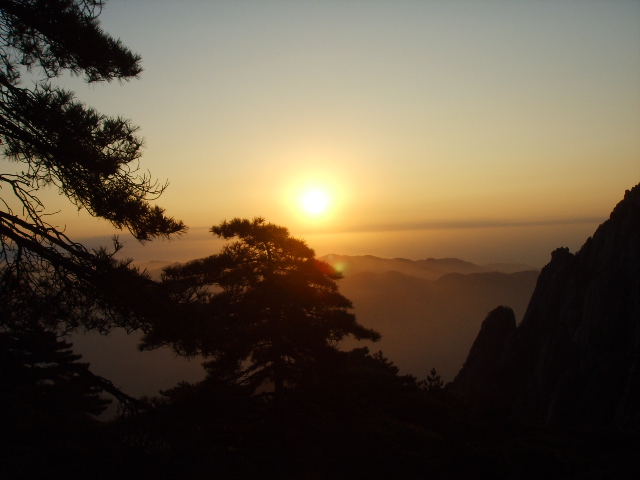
x: 428, y: 312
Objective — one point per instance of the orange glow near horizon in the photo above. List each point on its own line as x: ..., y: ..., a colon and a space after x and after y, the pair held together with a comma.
x: 483, y: 133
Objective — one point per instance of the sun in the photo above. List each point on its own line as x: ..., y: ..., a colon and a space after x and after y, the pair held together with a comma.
x: 314, y: 201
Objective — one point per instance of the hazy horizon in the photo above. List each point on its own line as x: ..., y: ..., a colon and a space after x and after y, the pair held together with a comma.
x: 490, y: 131
x: 528, y: 244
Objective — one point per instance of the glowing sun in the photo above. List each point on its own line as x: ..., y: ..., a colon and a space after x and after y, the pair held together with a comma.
x: 314, y: 202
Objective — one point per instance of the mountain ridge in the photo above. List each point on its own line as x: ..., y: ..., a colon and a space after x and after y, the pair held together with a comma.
x: 426, y: 324
x: 574, y: 360
x: 430, y: 268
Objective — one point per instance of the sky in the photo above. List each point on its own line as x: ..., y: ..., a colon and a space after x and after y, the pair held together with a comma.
x: 492, y: 131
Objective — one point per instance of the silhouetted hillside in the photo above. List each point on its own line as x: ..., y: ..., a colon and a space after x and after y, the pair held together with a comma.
x: 432, y: 324
x: 430, y: 269
x: 575, y: 358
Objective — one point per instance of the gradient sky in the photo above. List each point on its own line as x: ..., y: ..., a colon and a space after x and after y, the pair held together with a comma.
x: 486, y: 130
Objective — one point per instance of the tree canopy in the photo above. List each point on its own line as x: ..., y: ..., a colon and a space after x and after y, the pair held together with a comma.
x: 263, y: 310
x: 55, y: 140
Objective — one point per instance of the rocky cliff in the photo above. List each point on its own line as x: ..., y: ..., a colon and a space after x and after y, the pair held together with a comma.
x: 574, y: 360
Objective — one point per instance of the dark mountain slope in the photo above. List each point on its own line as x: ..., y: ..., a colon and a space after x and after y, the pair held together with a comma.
x: 431, y: 324
x: 575, y: 358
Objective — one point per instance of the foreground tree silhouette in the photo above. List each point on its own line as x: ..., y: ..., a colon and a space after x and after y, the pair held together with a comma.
x: 53, y: 140
x: 48, y: 283
x: 264, y: 309
x: 40, y: 374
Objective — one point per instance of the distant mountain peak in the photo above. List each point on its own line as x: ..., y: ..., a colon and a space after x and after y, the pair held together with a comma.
x: 430, y: 268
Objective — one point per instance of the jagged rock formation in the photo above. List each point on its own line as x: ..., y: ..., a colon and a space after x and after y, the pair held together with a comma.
x: 477, y: 379
x: 574, y: 360
x: 432, y: 324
